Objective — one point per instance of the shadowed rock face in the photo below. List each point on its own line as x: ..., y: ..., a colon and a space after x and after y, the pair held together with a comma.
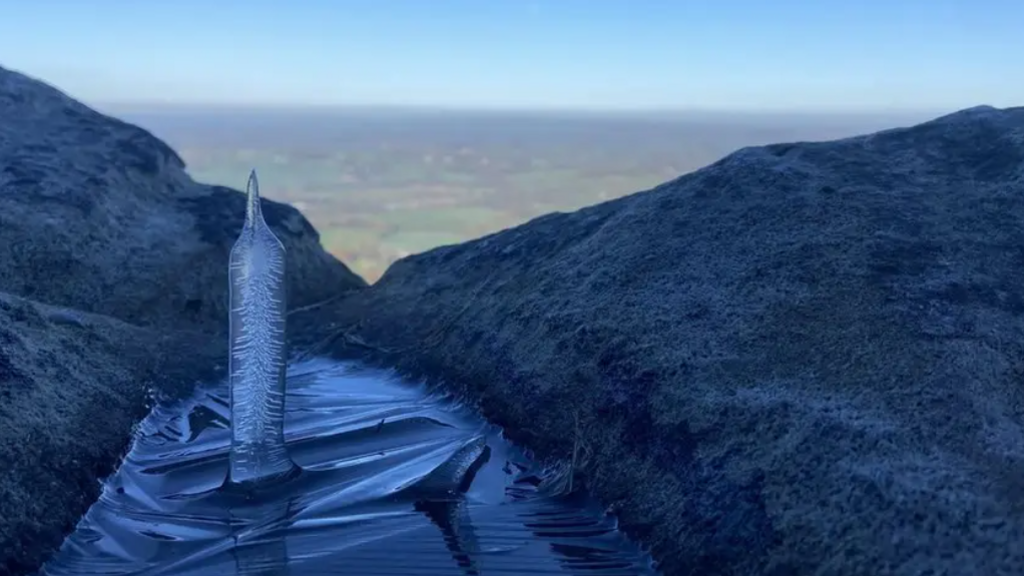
x: 99, y: 215
x: 72, y: 386
x: 804, y: 359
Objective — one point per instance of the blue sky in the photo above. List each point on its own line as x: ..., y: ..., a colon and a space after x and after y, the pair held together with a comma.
x: 580, y: 54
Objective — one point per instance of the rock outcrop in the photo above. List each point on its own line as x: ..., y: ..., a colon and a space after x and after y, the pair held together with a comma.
x: 805, y: 358
x: 113, y: 285
x: 100, y: 216
x: 72, y: 386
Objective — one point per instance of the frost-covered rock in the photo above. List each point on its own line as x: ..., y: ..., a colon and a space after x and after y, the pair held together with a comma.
x: 72, y: 386
x: 100, y: 215
x: 803, y: 359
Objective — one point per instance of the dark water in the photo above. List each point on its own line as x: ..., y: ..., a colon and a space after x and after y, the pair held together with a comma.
x: 393, y: 481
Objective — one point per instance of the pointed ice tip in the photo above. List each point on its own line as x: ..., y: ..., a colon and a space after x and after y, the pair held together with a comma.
x: 252, y: 205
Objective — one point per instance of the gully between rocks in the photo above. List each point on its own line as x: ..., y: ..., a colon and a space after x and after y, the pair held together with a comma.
x: 393, y: 480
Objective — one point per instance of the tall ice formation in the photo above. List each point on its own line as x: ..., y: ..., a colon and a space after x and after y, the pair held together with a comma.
x: 258, y: 355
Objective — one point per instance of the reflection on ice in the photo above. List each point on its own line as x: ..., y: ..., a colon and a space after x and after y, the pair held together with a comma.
x: 393, y: 481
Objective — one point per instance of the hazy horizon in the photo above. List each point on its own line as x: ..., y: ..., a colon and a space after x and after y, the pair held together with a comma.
x: 382, y: 183
x: 416, y: 109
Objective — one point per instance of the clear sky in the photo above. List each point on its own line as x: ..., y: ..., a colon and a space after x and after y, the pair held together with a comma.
x: 583, y: 54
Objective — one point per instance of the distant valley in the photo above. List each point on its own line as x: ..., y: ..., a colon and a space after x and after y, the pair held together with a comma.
x: 382, y: 184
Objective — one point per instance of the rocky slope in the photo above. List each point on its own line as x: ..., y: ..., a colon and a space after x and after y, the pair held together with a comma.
x: 804, y: 359
x: 72, y: 386
x: 113, y: 283
x: 99, y: 215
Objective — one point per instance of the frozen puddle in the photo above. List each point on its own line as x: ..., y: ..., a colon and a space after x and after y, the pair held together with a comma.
x: 394, y: 481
